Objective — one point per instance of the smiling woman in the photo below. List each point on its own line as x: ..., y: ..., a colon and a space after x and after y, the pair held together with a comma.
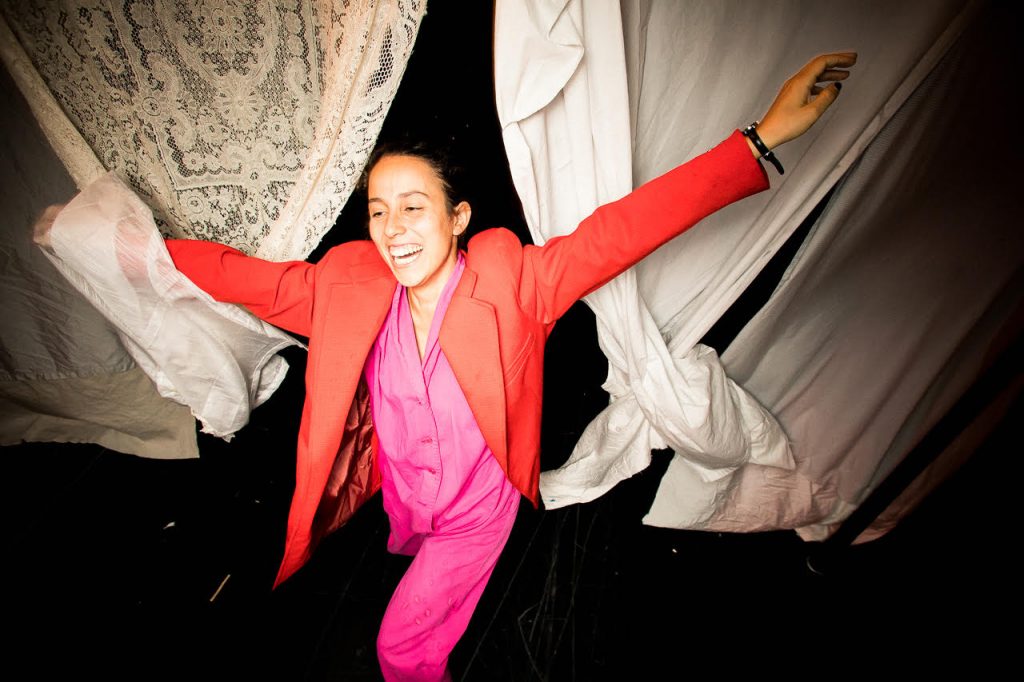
x: 414, y: 224
x: 425, y: 370
x: 416, y: 230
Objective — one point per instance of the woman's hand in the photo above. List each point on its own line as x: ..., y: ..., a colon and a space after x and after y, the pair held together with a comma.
x: 804, y: 98
x: 41, y: 228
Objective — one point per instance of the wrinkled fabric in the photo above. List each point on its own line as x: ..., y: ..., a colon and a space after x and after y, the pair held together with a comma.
x: 64, y: 375
x: 909, y: 286
x: 691, y: 68
x: 249, y: 125
x: 218, y: 359
x: 246, y: 123
x: 563, y: 105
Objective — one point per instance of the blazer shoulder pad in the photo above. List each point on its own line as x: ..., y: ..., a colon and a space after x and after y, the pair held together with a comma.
x: 352, y: 262
x: 495, y: 239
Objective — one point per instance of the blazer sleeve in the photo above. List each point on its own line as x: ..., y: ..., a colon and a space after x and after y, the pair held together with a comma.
x: 619, y: 234
x: 280, y: 293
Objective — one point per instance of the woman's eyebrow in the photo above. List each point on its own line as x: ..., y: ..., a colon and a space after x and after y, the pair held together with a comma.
x: 403, y: 195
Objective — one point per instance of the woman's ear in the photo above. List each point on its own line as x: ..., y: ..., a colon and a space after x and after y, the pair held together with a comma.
x: 462, y: 213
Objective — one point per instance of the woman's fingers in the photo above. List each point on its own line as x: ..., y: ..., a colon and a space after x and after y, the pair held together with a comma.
x: 41, y: 228
x: 822, y: 101
x: 823, y: 97
x: 827, y: 61
x: 832, y: 75
x: 822, y: 68
x: 805, y: 97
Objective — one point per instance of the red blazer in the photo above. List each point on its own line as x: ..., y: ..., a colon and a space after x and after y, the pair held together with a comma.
x: 493, y: 334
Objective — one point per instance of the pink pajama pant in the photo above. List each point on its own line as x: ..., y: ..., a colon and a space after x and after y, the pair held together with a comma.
x: 436, y: 597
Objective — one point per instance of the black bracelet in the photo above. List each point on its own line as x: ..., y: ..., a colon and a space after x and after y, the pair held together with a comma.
x: 751, y: 134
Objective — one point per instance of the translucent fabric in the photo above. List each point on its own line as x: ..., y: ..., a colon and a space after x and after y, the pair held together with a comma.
x: 688, y: 73
x: 246, y: 123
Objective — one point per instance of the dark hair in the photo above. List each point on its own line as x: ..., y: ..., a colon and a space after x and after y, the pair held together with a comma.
x: 439, y: 154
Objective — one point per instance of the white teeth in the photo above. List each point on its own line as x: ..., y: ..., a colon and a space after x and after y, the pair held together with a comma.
x: 405, y: 252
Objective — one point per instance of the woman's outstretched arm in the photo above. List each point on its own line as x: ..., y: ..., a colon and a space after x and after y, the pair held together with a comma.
x: 621, y: 233
x: 280, y: 293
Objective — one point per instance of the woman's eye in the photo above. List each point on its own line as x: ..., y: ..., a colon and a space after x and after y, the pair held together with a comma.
x: 413, y: 208
x: 376, y: 214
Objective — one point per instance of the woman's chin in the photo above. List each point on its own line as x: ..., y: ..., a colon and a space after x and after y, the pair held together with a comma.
x: 407, y: 280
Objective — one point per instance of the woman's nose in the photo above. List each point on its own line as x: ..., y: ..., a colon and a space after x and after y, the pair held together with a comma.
x: 393, y: 226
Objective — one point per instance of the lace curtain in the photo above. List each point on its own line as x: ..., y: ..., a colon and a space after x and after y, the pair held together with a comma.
x: 246, y: 122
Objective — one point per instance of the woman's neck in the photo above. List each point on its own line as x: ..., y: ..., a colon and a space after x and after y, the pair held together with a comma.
x: 423, y: 297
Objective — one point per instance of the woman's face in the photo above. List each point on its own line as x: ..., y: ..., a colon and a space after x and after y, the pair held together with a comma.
x: 410, y: 223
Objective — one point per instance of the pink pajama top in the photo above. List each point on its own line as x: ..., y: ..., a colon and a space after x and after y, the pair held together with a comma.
x: 437, y: 473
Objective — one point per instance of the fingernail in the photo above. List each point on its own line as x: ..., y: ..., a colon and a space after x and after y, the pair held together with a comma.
x: 839, y: 86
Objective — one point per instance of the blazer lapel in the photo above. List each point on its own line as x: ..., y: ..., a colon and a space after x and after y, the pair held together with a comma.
x: 469, y: 339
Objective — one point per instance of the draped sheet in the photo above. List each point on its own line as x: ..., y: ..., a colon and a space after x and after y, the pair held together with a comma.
x: 246, y: 123
x: 696, y: 71
x: 214, y: 357
x: 689, y: 288
x: 910, y: 285
x: 64, y: 376
x: 563, y: 108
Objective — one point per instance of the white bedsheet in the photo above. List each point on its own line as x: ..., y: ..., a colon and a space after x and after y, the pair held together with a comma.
x: 218, y: 359
x: 695, y: 71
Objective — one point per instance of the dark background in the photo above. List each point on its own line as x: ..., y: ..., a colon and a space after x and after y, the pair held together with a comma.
x: 125, y: 568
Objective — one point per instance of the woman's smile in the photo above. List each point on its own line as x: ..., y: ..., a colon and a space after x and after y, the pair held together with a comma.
x: 413, y: 223
x: 404, y: 254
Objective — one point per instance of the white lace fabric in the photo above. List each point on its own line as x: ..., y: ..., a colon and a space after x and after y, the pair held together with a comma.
x: 246, y: 122
x: 243, y: 122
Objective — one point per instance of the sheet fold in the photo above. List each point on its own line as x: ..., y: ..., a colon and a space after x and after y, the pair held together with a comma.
x: 216, y: 358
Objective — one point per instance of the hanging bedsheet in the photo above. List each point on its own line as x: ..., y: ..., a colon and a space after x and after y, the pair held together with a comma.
x: 64, y: 375
x: 216, y: 358
x: 694, y: 72
x: 246, y: 123
x: 910, y: 285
